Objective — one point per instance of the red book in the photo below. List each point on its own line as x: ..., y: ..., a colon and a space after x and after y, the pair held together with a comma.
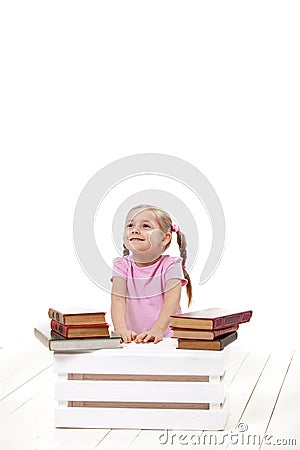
x: 90, y: 330
x: 210, y: 319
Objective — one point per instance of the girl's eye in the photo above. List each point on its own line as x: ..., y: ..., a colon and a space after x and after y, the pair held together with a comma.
x: 146, y: 225
x: 129, y: 225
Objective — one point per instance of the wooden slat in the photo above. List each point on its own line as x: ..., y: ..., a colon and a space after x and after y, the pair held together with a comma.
x: 143, y: 359
x: 140, y: 418
x: 105, y: 362
x: 149, y: 405
x: 130, y: 377
x: 140, y: 391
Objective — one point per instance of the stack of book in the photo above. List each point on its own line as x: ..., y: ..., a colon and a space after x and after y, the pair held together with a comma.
x: 208, y: 329
x: 77, y: 329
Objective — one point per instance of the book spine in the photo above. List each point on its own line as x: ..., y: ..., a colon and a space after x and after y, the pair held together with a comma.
x: 227, y: 321
x: 43, y: 339
x: 59, y: 328
x: 228, y: 340
x: 56, y: 315
x: 246, y: 316
x: 223, y: 331
x: 199, y: 344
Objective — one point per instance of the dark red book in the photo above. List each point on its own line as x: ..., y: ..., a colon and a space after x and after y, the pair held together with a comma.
x: 210, y: 319
x: 76, y: 331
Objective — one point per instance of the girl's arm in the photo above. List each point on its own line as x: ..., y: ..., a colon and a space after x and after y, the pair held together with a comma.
x: 118, y: 309
x: 170, y: 307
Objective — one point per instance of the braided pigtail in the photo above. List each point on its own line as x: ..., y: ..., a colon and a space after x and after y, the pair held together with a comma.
x: 125, y: 250
x: 181, y: 241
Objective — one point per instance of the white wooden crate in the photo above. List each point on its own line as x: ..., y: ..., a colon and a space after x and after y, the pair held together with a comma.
x: 149, y: 386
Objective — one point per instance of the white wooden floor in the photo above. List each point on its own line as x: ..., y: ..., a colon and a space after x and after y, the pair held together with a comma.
x: 264, y: 401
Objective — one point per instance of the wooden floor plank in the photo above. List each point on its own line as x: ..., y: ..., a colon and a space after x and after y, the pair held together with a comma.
x: 244, y: 383
x: 258, y: 409
x: 20, y: 363
x: 20, y: 396
x: 32, y: 427
x: 284, y: 423
x: 150, y: 440
x: 237, y: 356
x: 118, y: 439
x: 239, y: 392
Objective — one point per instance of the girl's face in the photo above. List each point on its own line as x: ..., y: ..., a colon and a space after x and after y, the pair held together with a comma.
x: 143, y: 236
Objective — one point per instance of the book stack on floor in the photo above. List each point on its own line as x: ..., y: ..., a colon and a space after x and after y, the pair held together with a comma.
x: 74, y: 329
x: 208, y: 329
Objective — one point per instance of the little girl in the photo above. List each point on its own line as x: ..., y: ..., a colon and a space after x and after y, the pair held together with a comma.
x: 146, y: 285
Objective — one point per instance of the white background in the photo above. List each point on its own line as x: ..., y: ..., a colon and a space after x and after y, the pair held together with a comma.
x: 214, y: 83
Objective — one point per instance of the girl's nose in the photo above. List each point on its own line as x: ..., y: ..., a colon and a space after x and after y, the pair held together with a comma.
x: 135, y: 229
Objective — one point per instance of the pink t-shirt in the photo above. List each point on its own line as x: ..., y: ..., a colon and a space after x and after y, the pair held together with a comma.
x: 145, y: 289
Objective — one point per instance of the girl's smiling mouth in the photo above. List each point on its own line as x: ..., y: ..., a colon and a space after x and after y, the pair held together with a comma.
x: 136, y: 239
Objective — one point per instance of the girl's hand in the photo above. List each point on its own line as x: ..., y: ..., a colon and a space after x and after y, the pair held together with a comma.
x: 154, y: 335
x: 127, y: 335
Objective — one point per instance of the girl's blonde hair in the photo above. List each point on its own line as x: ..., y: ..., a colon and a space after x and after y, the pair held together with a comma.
x: 165, y: 223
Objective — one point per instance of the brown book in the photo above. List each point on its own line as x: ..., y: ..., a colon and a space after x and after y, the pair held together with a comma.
x: 210, y: 319
x: 77, y: 331
x: 76, y: 316
x: 217, y: 344
x: 207, y: 335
